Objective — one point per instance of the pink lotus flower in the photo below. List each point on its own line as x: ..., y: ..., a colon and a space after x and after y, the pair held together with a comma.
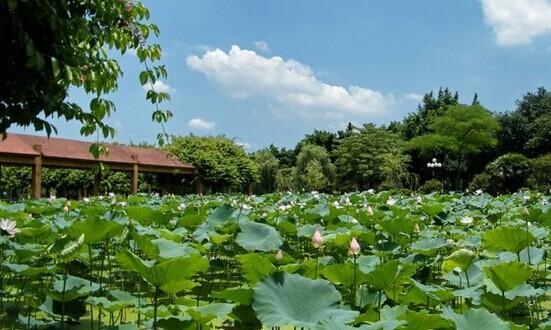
x: 9, y: 227
x: 317, y: 239
x: 354, y: 248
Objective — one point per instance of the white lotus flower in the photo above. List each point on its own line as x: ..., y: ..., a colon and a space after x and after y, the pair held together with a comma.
x: 182, y: 206
x: 65, y: 209
x: 371, y: 191
x: 9, y: 227
x: 369, y: 210
x: 466, y: 220
x: 111, y: 195
x: 86, y: 199
x: 336, y: 205
x: 390, y: 201
x: 478, y: 192
x: 419, y: 199
x: 279, y: 255
x: 354, y: 221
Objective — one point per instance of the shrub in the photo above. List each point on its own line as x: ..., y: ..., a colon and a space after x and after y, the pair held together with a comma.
x: 540, y: 178
x: 431, y: 185
x: 508, y: 173
x: 481, y: 181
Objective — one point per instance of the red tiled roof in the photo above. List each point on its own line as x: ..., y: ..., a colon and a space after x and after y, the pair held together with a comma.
x: 74, y: 150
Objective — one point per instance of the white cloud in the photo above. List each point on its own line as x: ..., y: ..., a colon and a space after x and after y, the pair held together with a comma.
x: 159, y: 87
x: 414, y: 97
x: 517, y: 22
x: 243, y: 74
x: 262, y: 45
x: 201, y: 124
x: 245, y: 145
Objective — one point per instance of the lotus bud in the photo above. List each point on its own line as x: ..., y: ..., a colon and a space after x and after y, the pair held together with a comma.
x: 182, y: 206
x: 65, y: 209
x: 354, y: 248
x: 317, y: 239
x: 450, y: 243
x: 279, y: 255
x: 416, y: 228
x: 525, y: 211
x: 354, y: 221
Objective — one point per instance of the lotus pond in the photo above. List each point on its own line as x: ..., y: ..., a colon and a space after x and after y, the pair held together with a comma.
x: 282, y: 261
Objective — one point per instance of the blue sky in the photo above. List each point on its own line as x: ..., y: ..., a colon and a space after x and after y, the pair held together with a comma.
x: 267, y: 72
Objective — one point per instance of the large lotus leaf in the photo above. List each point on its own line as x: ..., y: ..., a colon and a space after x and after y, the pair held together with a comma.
x: 389, y: 274
x: 94, y: 229
x: 290, y: 299
x: 255, y: 266
x: 428, y: 246
x: 207, y: 313
x: 258, y: 237
x: 475, y: 319
x: 512, y: 239
x: 166, y: 272
x: 462, y: 259
x: 71, y: 288
x: 342, y: 274
x: 241, y: 296
x: 367, y: 264
x: 536, y: 256
x: 147, y: 215
x: 220, y: 216
x: 170, y: 249
x: 104, y: 303
x: 507, y: 276
x: 432, y: 209
x: 423, y: 320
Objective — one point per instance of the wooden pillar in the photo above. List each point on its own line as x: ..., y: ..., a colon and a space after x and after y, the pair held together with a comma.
x: 166, y: 183
x: 36, y: 181
x: 134, y: 179
x: 97, y: 182
x: 199, y: 186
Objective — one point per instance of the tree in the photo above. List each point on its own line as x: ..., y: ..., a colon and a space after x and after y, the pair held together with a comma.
x: 56, y: 45
x: 527, y: 129
x: 321, y: 138
x: 417, y: 123
x: 362, y: 158
x: 314, y: 170
x: 460, y: 132
x: 222, y: 164
x: 268, y: 166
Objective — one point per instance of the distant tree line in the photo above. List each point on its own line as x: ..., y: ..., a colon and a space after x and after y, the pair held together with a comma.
x: 474, y: 148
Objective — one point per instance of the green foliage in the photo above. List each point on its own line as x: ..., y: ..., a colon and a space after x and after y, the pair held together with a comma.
x: 369, y: 157
x: 417, y: 123
x: 508, y: 172
x: 540, y: 178
x: 221, y: 163
x: 57, y: 45
x: 314, y: 170
x: 432, y: 185
x: 268, y: 166
x: 460, y: 132
x: 285, y: 179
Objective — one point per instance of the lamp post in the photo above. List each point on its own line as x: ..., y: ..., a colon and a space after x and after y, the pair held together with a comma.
x: 434, y: 164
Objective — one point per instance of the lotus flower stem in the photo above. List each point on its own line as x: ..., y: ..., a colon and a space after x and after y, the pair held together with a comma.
x: 354, y: 284
x: 63, y: 300
x: 155, y: 297
x: 317, y: 263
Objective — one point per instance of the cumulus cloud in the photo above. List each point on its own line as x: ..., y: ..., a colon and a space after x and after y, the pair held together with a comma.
x: 517, y: 22
x: 159, y: 87
x: 201, y: 124
x: 414, y: 97
x: 244, y: 74
x: 262, y: 45
x: 244, y: 145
